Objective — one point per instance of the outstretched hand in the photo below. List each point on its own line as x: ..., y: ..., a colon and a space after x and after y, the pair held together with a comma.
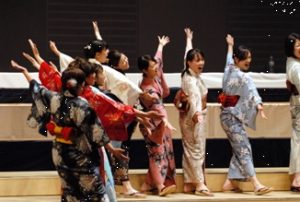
x: 188, y: 33
x: 35, y: 52
x: 229, y: 40
x: 53, y: 48
x: 17, y: 67
x: 163, y: 40
x: 261, y: 110
x: 119, y: 153
x: 96, y: 30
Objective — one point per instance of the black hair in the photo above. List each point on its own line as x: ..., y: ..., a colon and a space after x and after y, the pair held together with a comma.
x: 114, y: 57
x: 82, y: 64
x: 143, y: 61
x: 72, y: 79
x: 190, y: 55
x: 241, y: 52
x: 290, y: 43
x: 93, y: 47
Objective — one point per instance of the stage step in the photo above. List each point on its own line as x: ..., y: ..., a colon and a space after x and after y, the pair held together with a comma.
x: 282, y: 196
x: 43, y: 183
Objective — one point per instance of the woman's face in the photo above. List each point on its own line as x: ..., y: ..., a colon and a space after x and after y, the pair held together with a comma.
x: 244, y: 64
x: 123, y: 63
x: 90, y: 79
x: 100, y: 78
x: 197, y: 64
x: 101, y: 56
x: 297, y: 49
x: 152, y: 69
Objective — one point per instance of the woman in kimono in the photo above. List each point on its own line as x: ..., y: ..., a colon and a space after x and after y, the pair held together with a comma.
x: 158, y: 138
x: 193, y: 120
x: 113, y: 115
x: 78, y: 135
x: 240, y: 104
x: 292, y: 51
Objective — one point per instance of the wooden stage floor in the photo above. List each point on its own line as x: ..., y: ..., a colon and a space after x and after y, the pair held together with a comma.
x: 283, y: 196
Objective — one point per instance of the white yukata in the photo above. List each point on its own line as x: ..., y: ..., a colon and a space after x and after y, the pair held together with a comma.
x: 233, y: 119
x: 193, y: 135
x: 127, y: 91
x: 293, y: 75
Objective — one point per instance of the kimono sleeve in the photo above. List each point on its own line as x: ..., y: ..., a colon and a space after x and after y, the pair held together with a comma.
x: 87, y: 121
x: 50, y: 77
x: 190, y: 89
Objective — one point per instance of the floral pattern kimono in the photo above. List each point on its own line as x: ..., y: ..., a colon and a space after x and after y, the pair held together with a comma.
x: 233, y: 119
x: 114, y: 116
x: 158, y: 138
x: 76, y: 160
x: 193, y: 135
x: 293, y: 75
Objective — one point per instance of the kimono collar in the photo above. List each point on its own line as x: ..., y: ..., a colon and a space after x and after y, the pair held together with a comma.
x: 93, y: 60
x: 193, y: 73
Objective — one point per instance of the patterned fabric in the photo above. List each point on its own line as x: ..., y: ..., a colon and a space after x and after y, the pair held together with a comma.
x: 114, y: 116
x: 236, y: 82
x: 162, y: 168
x: 233, y: 119
x: 77, y: 163
x: 241, y: 165
x: 193, y: 135
x: 293, y: 75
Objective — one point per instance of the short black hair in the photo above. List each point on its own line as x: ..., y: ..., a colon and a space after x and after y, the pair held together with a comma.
x: 289, y: 44
x: 241, y: 52
x: 143, y: 61
x: 93, y: 47
x: 114, y: 57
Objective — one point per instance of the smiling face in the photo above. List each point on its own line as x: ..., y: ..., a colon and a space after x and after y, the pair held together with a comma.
x: 197, y: 63
x: 152, y: 70
x: 123, y: 63
x: 297, y: 49
x: 243, y: 64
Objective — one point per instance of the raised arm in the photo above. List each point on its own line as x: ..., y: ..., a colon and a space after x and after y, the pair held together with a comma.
x: 230, y: 44
x: 64, y: 60
x: 189, y: 38
x: 162, y: 41
x: 96, y: 30
x: 31, y: 60
x: 21, y: 69
x: 35, y: 52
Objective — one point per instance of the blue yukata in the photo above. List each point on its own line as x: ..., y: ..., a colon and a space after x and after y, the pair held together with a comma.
x: 235, y: 118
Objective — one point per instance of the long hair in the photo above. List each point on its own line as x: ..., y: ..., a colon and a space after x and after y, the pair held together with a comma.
x: 190, y: 56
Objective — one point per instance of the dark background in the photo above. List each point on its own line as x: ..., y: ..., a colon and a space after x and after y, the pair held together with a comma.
x: 132, y: 26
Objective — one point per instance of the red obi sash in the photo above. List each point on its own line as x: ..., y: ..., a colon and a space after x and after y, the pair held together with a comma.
x: 62, y: 133
x: 291, y: 87
x: 228, y: 100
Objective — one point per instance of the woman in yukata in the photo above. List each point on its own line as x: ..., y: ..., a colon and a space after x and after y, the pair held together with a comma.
x: 193, y: 119
x: 78, y: 134
x: 240, y: 104
x: 158, y: 138
x: 49, y: 75
x: 292, y: 51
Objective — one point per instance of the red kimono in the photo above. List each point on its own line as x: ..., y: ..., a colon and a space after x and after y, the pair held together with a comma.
x: 114, y: 116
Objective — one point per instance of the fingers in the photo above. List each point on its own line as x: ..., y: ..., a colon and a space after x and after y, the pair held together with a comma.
x: 13, y: 63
